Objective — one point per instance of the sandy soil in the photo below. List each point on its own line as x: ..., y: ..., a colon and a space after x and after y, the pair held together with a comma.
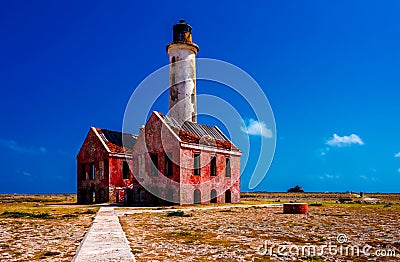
x: 248, y: 233
x: 36, y: 231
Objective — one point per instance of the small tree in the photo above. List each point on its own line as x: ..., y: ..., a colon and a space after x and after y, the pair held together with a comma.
x: 296, y: 189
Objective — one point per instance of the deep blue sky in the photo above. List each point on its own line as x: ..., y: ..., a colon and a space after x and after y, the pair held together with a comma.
x: 327, y: 67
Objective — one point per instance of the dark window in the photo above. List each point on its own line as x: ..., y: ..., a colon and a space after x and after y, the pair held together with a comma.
x: 125, y: 170
x: 142, y: 196
x: 227, y: 167
x: 197, y: 196
x: 83, y: 171
x: 91, y: 171
x: 154, y: 166
x: 141, y: 166
x: 101, y: 170
x: 196, y: 165
x: 228, y: 196
x: 213, y: 166
x: 106, y: 167
x: 213, y: 196
x: 170, y: 195
x: 168, y: 164
x: 173, y: 60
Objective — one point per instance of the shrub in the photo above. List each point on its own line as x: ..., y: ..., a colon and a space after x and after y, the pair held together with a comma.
x: 178, y: 214
x: 10, y: 214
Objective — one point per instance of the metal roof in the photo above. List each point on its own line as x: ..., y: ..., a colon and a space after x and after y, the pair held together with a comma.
x: 117, y: 141
x: 202, y: 131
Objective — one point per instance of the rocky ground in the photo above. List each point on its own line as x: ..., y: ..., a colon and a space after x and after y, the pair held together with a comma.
x: 257, y: 234
x: 41, y: 228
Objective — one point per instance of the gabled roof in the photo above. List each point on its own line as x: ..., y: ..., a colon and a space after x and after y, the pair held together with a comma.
x: 117, y: 142
x: 195, y: 133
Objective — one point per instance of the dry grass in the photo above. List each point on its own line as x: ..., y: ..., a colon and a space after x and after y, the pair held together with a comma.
x: 239, y: 234
x: 42, y: 227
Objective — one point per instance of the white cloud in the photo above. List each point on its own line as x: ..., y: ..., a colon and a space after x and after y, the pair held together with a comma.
x: 341, y: 141
x: 14, y: 146
x: 364, y: 177
x: 397, y: 155
x: 256, y: 128
x: 329, y: 176
x: 323, y: 152
x: 22, y: 172
x: 26, y: 173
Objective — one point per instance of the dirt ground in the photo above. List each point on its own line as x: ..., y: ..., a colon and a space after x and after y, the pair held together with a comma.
x: 42, y: 227
x: 265, y: 234
x: 51, y: 227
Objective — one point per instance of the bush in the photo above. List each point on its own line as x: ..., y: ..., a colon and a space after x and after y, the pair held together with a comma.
x: 9, y: 214
x: 178, y: 214
x: 51, y: 253
x: 315, y: 204
x: 296, y: 189
x: 89, y: 212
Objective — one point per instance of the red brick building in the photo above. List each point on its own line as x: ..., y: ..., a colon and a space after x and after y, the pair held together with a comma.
x: 185, y: 164
x: 103, y: 166
x: 174, y: 159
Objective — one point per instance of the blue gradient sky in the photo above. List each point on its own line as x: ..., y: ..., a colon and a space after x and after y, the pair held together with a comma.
x: 327, y: 67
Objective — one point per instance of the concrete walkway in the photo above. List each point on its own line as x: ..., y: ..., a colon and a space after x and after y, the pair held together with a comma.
x: 137, y: 210
x: 105, y: 240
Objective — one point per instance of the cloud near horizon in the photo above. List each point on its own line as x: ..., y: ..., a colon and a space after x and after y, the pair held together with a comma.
x: 397, y: 155
x: 341, y: 141
x: 256, y: 128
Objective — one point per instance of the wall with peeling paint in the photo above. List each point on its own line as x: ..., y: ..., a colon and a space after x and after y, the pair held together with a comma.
x: 103, y: 187
x: 205, y: 182
x: 157, y: 139
x: 182, y: 99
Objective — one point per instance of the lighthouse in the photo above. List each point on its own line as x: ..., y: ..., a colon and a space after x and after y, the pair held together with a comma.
x: 182, y: 78
x: 173, y: 160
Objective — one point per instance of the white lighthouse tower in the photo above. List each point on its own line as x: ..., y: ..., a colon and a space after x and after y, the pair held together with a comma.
x: 182, y: 92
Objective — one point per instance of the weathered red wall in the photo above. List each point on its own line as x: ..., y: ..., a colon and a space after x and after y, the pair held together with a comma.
x: 205, y: 183
x: 116, y: 180
x: 155, y: 138
x: 93, y: 151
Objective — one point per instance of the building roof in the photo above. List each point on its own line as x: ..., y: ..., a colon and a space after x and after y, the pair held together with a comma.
x: 195, y: 133
x: 117, y: 142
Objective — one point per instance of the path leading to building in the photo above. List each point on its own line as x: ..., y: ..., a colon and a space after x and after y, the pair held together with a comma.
x: 105, y: 240
x: 134, y: 210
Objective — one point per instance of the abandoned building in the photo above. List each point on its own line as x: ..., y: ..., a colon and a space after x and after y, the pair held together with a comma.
x: 173, y: 159
x: 103, y: 166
